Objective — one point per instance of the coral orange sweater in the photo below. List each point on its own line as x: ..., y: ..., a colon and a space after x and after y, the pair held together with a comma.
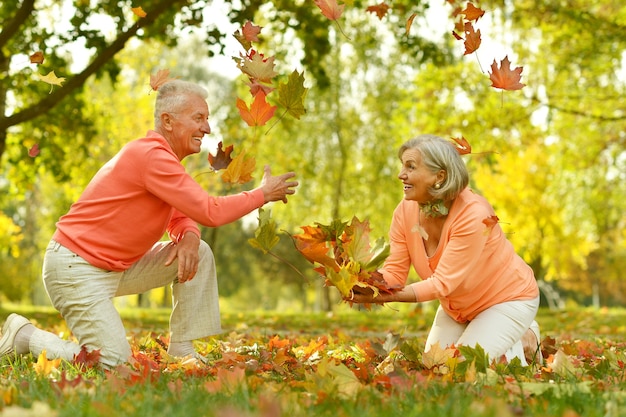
x: 474, y: 266
x: 140, y: 194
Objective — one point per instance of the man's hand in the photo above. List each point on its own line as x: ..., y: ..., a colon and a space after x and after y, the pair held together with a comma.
x: 277, y: 188
x: 186, y: 250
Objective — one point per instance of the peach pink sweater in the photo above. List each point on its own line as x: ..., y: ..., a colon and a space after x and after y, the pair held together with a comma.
x: 474, y: 266
x: 136, y: 197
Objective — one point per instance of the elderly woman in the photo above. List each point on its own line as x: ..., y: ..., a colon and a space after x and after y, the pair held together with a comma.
x: 488, y: 295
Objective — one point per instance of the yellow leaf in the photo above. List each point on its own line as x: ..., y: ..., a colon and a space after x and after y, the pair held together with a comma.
x: 52, y: 79
x: 239, y: 171
x: 44, y: 366
x: 438, y: 357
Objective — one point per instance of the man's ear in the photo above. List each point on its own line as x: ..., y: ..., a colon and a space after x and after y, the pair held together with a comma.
x: 167, y: 120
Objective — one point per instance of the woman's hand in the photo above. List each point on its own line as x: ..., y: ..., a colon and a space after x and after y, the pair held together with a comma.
x: 366, y: 296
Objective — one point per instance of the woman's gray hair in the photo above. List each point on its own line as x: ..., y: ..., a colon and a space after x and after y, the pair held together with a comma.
x: 440, y: 154
x: 172, y: 96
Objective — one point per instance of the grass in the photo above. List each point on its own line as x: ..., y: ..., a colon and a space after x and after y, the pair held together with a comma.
x: 351, y: 363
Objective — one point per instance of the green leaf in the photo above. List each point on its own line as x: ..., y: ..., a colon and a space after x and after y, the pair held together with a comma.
x: 265, y: 236
x: 291, y: 94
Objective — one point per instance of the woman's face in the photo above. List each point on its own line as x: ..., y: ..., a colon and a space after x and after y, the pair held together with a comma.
x: 417, y: 179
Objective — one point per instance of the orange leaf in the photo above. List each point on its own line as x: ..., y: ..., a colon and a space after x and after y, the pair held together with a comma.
x: 259, y: 112
x: 330, y: 8
x: 491, y: 221
x: 472, y: 12
x: 44, y: 366
x: 409, y: 23
x: 138, y: 11
x: 380, y: 10
x: 240, y: 170
x: 222, y: 158
x: 472, y: 39
x: 36, y: 58
x: 462, y: 145
x: 504, y: 77
x: 160, y: 78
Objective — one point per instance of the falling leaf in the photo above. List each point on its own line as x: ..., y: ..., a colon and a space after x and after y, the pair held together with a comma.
x: 52, y: 79
x: 37, y: 58
x: 44, y: 366
x: 265, y: 237
x: 138, y: 11
x: 409, y: 23
x: 462, y: 145
x: 222, y: 158
x: 491, y: 221
x: 248, y: 34
x: 256, y: 86
x: 472, y: 12
x: 504, y: 77
x: 160, y: 78
x: 240, y: 170
x: 291, y: 94
x: 34, y: 150
x: 256, y: 66
x: 330, y: 8
x: 380, y: 10
x: 259, y: 112
x: 472, y: 38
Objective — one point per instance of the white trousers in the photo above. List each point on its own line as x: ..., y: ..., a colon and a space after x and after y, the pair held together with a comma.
x: 83, y: 294
x: 498, y: 329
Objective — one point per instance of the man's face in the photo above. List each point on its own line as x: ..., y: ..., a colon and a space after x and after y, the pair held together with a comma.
x: 189, y: 125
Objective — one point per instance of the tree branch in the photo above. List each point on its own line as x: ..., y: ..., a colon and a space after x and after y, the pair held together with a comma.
x: 99, y: 61
x: 9, y: 28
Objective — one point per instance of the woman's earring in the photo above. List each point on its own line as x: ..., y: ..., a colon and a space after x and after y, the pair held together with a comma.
x: 437, y: 186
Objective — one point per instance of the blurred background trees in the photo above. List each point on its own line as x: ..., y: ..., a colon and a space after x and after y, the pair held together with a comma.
x: 551, y: 157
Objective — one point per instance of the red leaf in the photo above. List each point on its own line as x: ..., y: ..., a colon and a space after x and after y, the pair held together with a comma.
x: 472, y: 12
x: 472, y: 38
x: 222, y: 158
x: 491, y: 221
x: 87, y: 359
x: 504, y: 77
x: 36, y: 58
x: 34, y: 150
x: 462, y: 145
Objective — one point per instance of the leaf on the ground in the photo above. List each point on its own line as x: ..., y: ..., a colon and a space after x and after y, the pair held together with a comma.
x: 44, y: 366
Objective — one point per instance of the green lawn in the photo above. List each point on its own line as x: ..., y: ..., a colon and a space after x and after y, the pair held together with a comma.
x: 351, y: 363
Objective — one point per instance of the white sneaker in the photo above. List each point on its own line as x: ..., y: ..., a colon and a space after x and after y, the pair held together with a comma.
x: 11, y: 327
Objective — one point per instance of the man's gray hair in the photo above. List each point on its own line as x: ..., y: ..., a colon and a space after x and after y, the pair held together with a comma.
x: 171, y: 97
x: 440, y: 154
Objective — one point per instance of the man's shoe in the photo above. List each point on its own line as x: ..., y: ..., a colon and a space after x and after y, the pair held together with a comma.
x: 12, y: 325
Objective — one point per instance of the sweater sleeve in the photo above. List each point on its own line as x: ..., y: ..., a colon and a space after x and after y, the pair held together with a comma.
x: 397, y: 265
x: 168, y: 181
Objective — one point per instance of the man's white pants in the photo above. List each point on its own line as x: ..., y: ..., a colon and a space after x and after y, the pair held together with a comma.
x: 498, y: 329
x: 83, y: 294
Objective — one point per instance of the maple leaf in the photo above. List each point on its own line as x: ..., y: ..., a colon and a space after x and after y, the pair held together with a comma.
x: 240, y: 169
x: 160, y: 78
x: 380, y: 10
x: 312, y: 245
x: 504, y: 77
x: 87, y: 359
x: 409, y: 23
x: 265, y: 237
x: 472, y: 12
x: 437, y: 358
x: 472, y: 38
x: 259, y: 112
x: 491, y: 221
x: 138, y: 11
x: 52, y: 79
x: 34, y: 150
x: 44, y: 366
x: 222, y: 158
x: 255, y: 65
x: 256, y: 86
x: 462, y: 145
x: 292, y: 93
x: 330, y: 8
x: 247, y: 34
x: 37, y: 58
